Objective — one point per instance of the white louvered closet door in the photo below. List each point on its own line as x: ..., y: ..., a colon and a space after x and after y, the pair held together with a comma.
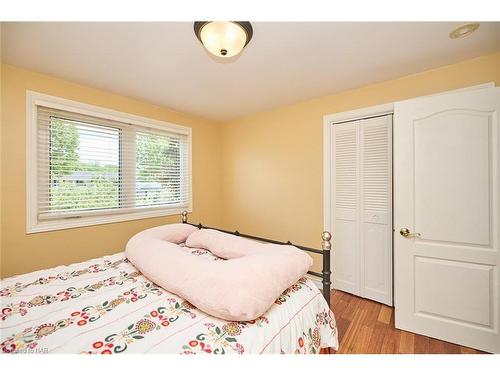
x: 362, y: 199
x: 376, y: 213
x: 346, y: 260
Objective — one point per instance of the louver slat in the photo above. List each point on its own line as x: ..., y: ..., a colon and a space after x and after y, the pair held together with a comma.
x: 345, y: 166
x: 375, y: 160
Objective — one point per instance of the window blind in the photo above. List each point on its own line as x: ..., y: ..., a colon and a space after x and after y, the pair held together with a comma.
x: 95, y: 166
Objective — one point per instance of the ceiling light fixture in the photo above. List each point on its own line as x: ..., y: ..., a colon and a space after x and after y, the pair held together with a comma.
x: 223, y: 38
x: 463, y: 31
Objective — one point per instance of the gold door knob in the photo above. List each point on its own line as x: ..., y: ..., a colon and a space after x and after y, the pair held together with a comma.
x: 405, y: 232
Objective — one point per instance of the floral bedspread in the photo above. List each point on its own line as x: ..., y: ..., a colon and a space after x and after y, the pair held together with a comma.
x: 106, y: 306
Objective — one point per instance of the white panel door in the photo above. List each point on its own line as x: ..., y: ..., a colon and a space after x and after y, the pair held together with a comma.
x: 446, y: 205
x: 345, y: 260
x: 376, y: 208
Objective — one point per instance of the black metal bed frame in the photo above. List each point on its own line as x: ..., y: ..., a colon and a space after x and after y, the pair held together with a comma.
x: 326, y: 247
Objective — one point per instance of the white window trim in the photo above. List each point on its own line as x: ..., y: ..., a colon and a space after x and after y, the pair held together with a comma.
x: 33, y: 225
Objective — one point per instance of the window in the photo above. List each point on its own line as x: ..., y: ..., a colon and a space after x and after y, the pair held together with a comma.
x: 88, y: 165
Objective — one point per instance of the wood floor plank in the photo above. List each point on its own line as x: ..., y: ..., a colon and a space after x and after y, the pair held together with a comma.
x: 352, y: 308
x: 442, y: 347
x: 335, y: 297
x: 377, y: 338
x: 437, y: 346
x: 406, y: 343
x: 451, y: 348
x: 362, y: 340
x: 421, y: 344
x: 466, y: 350
x: 385, y: 314
x: 372, y: 312
x: 339, y: 309
x: 390, y: 345
x: 342, y: 325
x: 352, y: 331
x: 346, y: 297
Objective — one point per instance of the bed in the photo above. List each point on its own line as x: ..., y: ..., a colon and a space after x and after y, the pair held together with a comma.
x: 106, y: 306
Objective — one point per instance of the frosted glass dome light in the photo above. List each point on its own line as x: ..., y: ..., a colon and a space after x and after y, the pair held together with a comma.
x: 223, y: 38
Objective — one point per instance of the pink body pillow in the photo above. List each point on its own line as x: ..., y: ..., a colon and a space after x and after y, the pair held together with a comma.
x: 243, y: 287
x: 175, y: 233
x: 223, y: 245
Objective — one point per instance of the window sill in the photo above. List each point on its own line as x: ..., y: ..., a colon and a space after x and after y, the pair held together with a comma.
x: 68, y: 223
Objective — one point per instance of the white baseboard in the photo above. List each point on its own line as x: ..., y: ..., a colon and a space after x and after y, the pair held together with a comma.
x: 318, y: 282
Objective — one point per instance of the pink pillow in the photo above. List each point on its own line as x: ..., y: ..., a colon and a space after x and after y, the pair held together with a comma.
x: 175, y: 233
x: 240, y: 288
x: 222, y: 244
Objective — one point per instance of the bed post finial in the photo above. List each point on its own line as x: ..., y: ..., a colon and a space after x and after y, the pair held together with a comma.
x: 326, y: 245
x: 184, y: 215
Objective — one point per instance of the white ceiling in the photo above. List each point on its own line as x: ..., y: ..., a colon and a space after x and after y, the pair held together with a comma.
x: 164, y: 63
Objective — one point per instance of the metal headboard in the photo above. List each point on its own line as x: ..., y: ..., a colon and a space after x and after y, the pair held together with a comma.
x: 326, y: 247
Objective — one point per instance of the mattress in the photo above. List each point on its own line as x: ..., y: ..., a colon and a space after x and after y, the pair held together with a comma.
x: 106, y: 306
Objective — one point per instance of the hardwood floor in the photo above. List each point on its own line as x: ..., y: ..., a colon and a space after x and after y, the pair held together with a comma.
x: 367, y: 327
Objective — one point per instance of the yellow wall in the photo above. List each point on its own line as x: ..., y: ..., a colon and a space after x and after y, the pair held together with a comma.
x: 23, y: 253
x: 270, y: 163
x: 273, y: 161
